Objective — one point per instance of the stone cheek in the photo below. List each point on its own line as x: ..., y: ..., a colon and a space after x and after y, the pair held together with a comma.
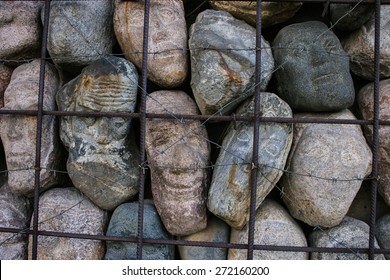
x: 326, y: 167
x: 229, y: 193
x: 168, y: 59
x: 223, y: 63
x: 178, y: 154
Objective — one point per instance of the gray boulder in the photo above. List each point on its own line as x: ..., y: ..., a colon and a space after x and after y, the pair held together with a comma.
x: 383, y: 233
x: 350, y: 17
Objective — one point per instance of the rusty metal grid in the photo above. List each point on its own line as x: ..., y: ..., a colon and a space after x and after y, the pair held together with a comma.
x: 256, y: 120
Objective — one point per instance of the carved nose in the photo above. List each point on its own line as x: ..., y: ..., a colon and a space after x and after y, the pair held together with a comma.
x: 103, y: 132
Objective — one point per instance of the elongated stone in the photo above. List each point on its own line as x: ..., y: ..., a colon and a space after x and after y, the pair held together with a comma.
x: 102, y: 160
x: 15, y: 212
x: 18, y: 132
x: 383, y: 233
x: 223, y: 58
x: 80, y: 32
x: 124, y: 223
x: 167, y: 59
x: 178, y: 154
x: 326, y: 167
x: 229, y: 193
x: 350, y: 233
x: 273, y: 226
x: 67, y: 210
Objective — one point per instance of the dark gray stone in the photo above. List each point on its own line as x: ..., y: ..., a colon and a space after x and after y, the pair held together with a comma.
x: 223, y: 57
x: 312, y: 69
x: 102, y: 159
x: 273, y: 226
x: 124, y: 223
x: 67, y: 210
x: 229, y: 193
x: 80, y: 32
x: 15, y: 212
x: 216, y: 231
x: 383, y: 233
x: 350, y: 233
x: 350, y: 17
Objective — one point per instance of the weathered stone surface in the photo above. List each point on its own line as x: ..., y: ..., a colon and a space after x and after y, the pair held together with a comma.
x: 67, y: 210
x: 229, y: 194
x: 273, y: 226
x: 20, y: 30
x: 312, y: 68
x: 216, y: 231
x: 124, y: 223
x: 178, y: 154
x: 326, y: 166
x: 5, y: 77
x: 80, y: 32
x: 168, y: 59
x: 102, y: 160
x: 360, y: 47
x: 383, y: 233
x: 223, y: 58
x: 350, y: 233
x: 271, y: 12
x: 15, y: 212
x: 366, y: 105
x: 350, y: 17
x: 18, y: 133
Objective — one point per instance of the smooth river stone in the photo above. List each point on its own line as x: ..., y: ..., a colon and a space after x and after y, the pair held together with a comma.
x: 383, y: 233
x: 366, y: 106
x: 5, y: 77
x: 79, y: 32
x: 216, y: 231
x: 124, y: 223
x: 178, y: 154
x: 229, y: 193
x: 67, y: 210
x: 312, y: 68
x: 223, y: 58
x: 350, y: 17
x: 102, y: 160
x: 167, y: 63
x: 20, y: 30
x: 350, y: 233
x: 273, y: 226
x: 326, y: 166
x: 15, y: 212
x: 360, y: 47
x: 271, y: 12
x: 18, y: 132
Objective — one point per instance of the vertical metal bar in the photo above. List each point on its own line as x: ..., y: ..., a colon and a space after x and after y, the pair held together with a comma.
x: 142, y: 130
x: 375, y: 136
x: 39, y: 131
x: 255, y: 152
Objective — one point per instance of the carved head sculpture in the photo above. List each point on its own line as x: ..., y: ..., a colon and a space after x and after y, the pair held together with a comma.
x: 18, y: 133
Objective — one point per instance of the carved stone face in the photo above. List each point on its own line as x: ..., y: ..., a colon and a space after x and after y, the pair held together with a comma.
x: 18, y: 133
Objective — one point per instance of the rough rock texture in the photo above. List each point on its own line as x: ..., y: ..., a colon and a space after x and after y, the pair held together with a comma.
x: 18, y: 133
x: 5, y: 77
x: 15, y: 212
x: 168, y: 59
x: 20, y: 30
x: 80, y: 32
x: 178, y: 154
x: 124, y: 223
x: 102, y: 159
x: 350, y: 233
x: 223, y: 57
x: 360, y: 47
x: 349, y: 17
x: 67, y: 210
x: 229, y: 194
x: 312, y: 68
x: 326, y: 166
x: 216, y: 231
x: 366, y: 106
x: 273, y: 226
x: 271, y: 12
x: 383, y: 233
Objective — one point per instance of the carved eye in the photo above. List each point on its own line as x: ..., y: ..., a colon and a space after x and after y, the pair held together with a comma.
x: 136, y: 18
x: 330, y: 45
x: 89, y: 121
x: 167, y: 15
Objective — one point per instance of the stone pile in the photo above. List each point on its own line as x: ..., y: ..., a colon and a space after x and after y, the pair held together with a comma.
x: 197, y: 172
